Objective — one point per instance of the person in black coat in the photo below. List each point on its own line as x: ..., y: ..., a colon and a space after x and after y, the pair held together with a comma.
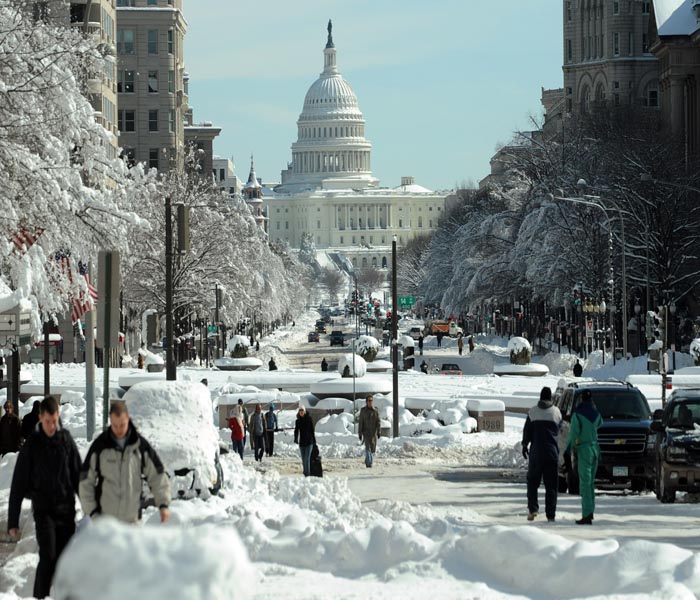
x: 305, y: 437
x: 324, y: 364
x: 578, y: 369
x: 10, y: 430
x: 30, y: 420
x: 272, y: 365
x: 47, y: 471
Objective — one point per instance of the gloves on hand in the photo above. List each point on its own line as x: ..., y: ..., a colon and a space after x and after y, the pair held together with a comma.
x: 525, y: 452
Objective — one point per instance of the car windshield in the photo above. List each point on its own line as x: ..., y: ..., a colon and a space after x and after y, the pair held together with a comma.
x: 623, y: 405
x: 685, y: 415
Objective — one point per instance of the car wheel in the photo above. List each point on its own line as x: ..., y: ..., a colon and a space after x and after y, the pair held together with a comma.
x: 665, y: 494
x: 638, y: 484
x: 216, y: 488
x: 573, y: 482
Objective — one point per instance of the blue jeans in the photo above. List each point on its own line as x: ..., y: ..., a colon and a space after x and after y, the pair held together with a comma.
x: 368, y: 455
x: 305, y: 452
x: 238, y: 447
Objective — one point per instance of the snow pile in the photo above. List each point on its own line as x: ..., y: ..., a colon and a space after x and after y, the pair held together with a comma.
x: 359, y: 368
x: 335, y: 424
x: 176, y: 418
x: 695, y: 350
x: 518, y: 344
x: 366, y: 343
x: 159, y: 563
x: 237, y: 340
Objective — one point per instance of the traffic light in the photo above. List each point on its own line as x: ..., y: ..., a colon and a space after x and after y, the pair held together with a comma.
x: 354, y: 297
x: 577, y: 299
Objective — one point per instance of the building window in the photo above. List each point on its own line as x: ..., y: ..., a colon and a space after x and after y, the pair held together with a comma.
x: 153, y: 158
x: 569, y: 16
x: 616, y: 7
x: 651, y: 99
x: 569, y: 51
x: 645, y: 43
x: 616, y: 44
x: 171, y: 41
x: 152, y: 3
x: 645, y: 8
x: 153, y: 41
x: 341, y: 239
x: 318, y: 224
x: 152, y: 120
x: 125, y: 82
x: 153, y: 82
x: 420, y: 222
x: 400, y: 222
x: 125, y: 2
x: 171, y: 124
x: 125, y: 41
x: 278, y: 225
x: 129, y: 155
x: 126, y: 120
x: 631, y: 43
x: 286, y: 224
x: 171, y: 82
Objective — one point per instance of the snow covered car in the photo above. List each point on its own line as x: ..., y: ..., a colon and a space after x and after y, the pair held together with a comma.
x: 176, y: 418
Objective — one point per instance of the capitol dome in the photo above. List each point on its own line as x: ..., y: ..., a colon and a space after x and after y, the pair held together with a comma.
x: 331, y: 151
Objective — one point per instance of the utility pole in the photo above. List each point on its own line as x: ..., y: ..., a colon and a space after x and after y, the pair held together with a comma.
x: 395, y: 339
x: 170, y: 370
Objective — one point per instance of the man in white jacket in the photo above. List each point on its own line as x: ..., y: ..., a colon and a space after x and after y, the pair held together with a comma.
x: 114, y: 468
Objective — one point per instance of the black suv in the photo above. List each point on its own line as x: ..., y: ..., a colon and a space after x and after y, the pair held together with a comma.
x: 626, y: 446
x: 677, y: 429
x: 337, y: 338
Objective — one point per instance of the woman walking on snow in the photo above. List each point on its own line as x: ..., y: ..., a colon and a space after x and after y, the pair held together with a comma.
x: 583, y: 440
x: 304, y: 436
x: 237, y: 427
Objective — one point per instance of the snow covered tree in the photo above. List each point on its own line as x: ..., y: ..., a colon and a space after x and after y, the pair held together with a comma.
x: 332, y: 279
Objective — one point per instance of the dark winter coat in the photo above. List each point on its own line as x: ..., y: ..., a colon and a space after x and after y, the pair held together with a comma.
x: 304, y: 431
x: 47, y: 472
x: 541, y: 431
x: 10, y: 433
x: 29, y: 422
x: 369, y: 424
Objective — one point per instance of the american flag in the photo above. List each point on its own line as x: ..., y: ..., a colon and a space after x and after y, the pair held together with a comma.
x: 86, y: 299
x: 24, y: 238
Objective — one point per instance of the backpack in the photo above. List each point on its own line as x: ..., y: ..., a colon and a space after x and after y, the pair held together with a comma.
x: 270, y: 420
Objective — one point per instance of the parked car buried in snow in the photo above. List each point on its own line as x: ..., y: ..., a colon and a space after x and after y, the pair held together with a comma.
x: 176, y: 418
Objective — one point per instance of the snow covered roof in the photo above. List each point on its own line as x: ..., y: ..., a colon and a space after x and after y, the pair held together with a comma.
x: 675, y: 17
x: 414, y: 188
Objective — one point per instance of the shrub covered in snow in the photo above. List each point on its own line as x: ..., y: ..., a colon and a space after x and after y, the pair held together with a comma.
x: 360, y: 367
x: 238, y: 345
x: 520, y: 351
x: 367, y: 347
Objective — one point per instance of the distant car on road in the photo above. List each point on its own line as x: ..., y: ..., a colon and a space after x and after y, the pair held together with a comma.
x: 320, y: 326
x: 314, y: 336
x: 677, y: 429
x: 337, y: 338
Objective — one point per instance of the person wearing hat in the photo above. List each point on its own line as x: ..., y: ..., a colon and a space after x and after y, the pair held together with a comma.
x: 541, y: 450
x: 583, y: 440
x: 271, y: 422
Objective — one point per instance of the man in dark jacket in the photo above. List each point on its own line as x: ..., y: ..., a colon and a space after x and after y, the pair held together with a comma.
x: 304, y: 436
x: 368, y: 429
x: 10, y: 430
x: 30, y: 420
x: 540, y: 435
x: 47, y: 471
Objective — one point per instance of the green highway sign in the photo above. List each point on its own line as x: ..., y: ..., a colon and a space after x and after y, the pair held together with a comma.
x: 211, y: 328
x: 406, y: 301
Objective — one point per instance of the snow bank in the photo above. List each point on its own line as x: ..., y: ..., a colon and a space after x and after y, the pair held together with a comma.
x: 518, y: 344
x: 237, y: 340
x: 359, y: 367
x: 155, y: 562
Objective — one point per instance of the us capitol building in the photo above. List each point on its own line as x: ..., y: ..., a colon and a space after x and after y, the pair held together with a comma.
x: 328, y: 189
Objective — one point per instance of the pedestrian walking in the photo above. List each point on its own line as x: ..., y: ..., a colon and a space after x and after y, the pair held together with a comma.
x: 10, y: 430
x: 244, y: 412
x: 420, y: 343
x: 237, y: 427
x: 258, y: 431
x: 578, y: 369
x: 471, y: 344
x: 304, y: 436
x: 30, y: 420
x: 270, y: 428
x: 439, y: 339
x: 460, y: 344
x: 324, y: 364
x: 541, y: 450
x: 112, y: 475
x: 272, y: 365
x: 47, y: 471
x: 583, y: 441
x: 368, y: 429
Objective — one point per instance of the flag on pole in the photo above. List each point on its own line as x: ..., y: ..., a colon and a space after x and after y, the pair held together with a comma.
x: 86, y: 299
x: 24, y: 238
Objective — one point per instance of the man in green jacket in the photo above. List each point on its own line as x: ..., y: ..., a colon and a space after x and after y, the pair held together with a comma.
x: 583, y: 440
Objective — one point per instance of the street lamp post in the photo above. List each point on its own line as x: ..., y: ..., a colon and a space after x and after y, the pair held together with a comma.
x: 637, y: 309
x: 170, y: 370
x: 395, y: 339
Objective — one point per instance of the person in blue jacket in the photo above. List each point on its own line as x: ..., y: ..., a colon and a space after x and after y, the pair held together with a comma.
x: 541, y: 450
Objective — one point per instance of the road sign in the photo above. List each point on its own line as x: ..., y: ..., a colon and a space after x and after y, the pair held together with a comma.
x: 406, y: 301
x: 211, y: 329
x: 589, y: 329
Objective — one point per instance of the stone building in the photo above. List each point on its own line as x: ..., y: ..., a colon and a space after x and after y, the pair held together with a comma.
x: 607, y: 54
x: 328, y: 190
